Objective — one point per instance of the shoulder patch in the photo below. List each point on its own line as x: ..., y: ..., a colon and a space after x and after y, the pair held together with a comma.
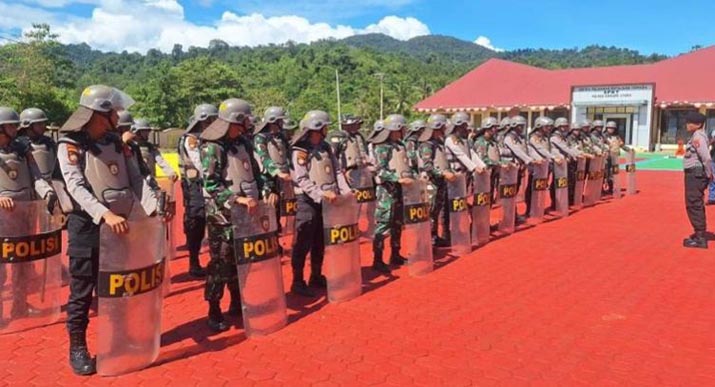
x: 301, y: 157
x: 192, y: 142
x: 72, y: 153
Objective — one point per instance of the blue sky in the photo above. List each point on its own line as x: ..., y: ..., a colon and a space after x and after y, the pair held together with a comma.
x: 666, y: 27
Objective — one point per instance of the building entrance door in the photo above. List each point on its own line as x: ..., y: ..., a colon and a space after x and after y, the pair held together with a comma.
x: 624, y: 125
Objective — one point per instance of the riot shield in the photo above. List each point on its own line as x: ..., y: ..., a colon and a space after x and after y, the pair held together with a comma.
x: 631, y: 172
x: 539, y: 191
x: 260, y: 276
x: 365, y: 196
x: 416, y: 237
x: 459, y: 227
x: 169, y: 186
x: 288, y: 210
x: 342, y: 249
x: 507, y: 195
x: 594, y: 182
x: 561, y: 188
x: 481, y: 206
x: 615, y: 175
x: 580, y: 183
x: 131, y: 273
x: 30, y: 267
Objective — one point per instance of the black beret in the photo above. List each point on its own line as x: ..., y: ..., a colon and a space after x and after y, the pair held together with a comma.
x: 694, y: 118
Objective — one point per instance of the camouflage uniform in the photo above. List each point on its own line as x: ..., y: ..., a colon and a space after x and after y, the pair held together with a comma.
x: 433, y: 163
x: 488, y: 151
x: 230, y: 171
x: 392, y: 165
x: 272, y: 152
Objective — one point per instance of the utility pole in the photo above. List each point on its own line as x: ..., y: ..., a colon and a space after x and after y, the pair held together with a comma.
x: 381, y: 76
x: 337, y: 91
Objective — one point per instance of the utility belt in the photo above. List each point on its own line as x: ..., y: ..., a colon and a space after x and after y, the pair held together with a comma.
x: 697, y: 171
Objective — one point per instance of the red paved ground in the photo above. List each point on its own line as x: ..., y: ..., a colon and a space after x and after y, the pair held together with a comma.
x: 604, y: 297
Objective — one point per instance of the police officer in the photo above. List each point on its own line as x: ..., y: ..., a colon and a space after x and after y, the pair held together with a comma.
x: 20, y: 180
x: 271, y: 147
x: 698, y: 174
x: 540, y: 146
x: 569, y: 149
x: 33, y: 125
x: 315, y: 175
x: 149, y: 152
x: 231, y: 177
x: 104, y: 184
x: 460, y: 157
x: 350, y: 148
x: 514, y: 149
x: 576, y: 140
x: 192, y: 184
x: 393, y: 171
x: 487, y: 149
x: 433, y: 163
x: 614, y: 144
x: 412, y: 143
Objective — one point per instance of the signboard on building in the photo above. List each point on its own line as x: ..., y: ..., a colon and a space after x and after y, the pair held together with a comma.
x: 631, y: 105
x: 610, y: 95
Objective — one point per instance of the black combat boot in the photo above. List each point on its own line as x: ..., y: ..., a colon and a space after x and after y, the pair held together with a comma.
x: 215, y: 321
x: 696, y: 240
x: 378, y: 265
x: 195, y: 269
x: 81, y: 361
x: 396, y: 258
x: 318, y: 281
x: 301, y: 289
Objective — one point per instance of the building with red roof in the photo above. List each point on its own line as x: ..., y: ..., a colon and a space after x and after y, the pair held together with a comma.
x: 648, y: 102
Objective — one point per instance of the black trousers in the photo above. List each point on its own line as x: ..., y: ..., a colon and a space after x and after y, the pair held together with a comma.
x: 528, y: 193
x: 695, y: 184
x: 571, y: 172
x: 440, y: 206
x: 194, y: 216
x: 83, y: 251
x: 309, y: 237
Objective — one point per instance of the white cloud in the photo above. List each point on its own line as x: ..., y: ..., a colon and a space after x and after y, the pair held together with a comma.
x: 140, y: 25
x: 399, y: 28
x: 486, y: 42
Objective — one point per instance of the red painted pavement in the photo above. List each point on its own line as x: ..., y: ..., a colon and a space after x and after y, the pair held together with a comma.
x: 606, y: 296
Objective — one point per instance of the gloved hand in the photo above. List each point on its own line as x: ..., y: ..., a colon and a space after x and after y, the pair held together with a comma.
x: 52, y: 202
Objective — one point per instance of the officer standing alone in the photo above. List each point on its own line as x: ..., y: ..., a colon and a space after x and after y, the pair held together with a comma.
x: 698, y: 174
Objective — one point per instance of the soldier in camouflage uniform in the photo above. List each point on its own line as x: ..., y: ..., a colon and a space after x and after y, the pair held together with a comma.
x: 192, y: 184
x: 614, y: 143
x: 316, y: 177
x: 433, y: 163
x: 231, y: 177
x: 272, y: 148
x: 393, y: 170
x: 412, y: 143
x: 487, y: 149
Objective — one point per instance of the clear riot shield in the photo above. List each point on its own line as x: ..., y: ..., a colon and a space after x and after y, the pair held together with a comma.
x: 594, y: 182
x: 169, y: 186
x: 632, y: 189
x: 459, y: 227
x: 30, y: 267
x: 416, y: 237
x: 507, y: 194
x: 561, y: 188
x: 540, y: 190
x: 481, y: 206
x: 365, y: 196
x: 342, y: 249
x: 615, y: 176
x: 580, y: 183
x: 131, y: 273
x: 288, y: 210
x: 260, y: 276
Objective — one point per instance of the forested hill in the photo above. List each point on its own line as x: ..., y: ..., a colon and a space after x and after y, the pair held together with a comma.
x: 300, y: 77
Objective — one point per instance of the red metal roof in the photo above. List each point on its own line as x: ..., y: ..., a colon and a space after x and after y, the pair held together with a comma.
x: 688, y: 78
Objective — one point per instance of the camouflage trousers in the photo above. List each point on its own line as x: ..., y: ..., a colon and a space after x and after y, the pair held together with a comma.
x: 389, y: 216
x: 221, y: 271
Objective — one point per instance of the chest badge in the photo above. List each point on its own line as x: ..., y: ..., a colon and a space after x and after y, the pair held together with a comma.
x: 12, y: 174
x: 113, y: 168
x: 265, y: 223
x: 328, y: 169
x: 246, y: 165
